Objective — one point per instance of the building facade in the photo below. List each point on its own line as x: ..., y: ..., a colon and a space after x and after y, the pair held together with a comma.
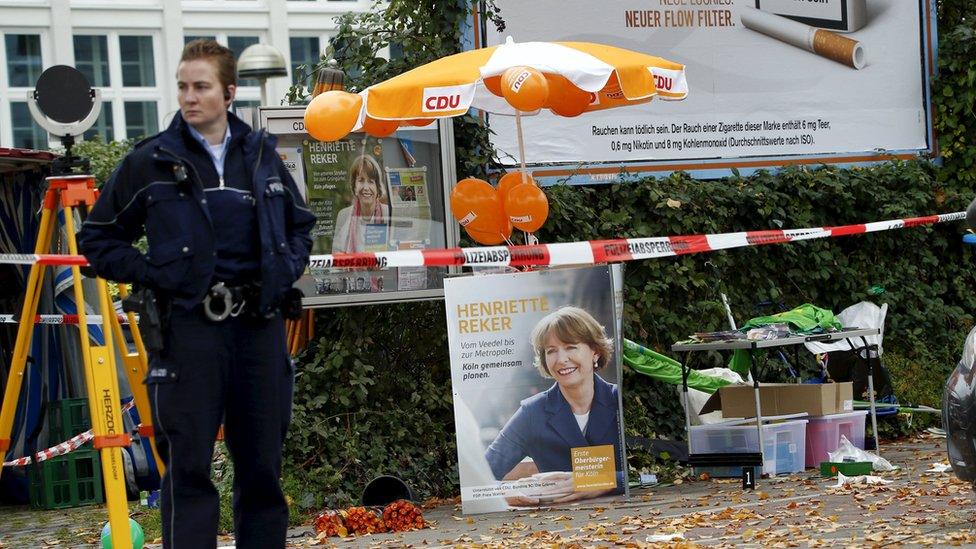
x: 130, y: 49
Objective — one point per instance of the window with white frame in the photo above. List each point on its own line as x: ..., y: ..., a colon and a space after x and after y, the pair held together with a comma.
x: 123, y: 66
x: 91, y: 58
x: 22, y: 57
x: 305, y: 50
x: 248, y: 91
x: 141, y: 118
x: 26, y: 133
x: 138, y: 66
x: 103, y: 125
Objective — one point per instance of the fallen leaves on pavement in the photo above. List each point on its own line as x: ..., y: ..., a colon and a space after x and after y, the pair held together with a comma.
x: 801, y: 510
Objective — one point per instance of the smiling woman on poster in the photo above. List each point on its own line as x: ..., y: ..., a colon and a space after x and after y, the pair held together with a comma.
x: 364, y: 223
x: 579, y: 410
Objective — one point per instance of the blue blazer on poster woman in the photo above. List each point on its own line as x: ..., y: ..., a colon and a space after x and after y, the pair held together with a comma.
x: 545, y: 429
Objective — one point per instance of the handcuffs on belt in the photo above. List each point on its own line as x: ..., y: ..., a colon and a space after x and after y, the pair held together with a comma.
x: 220, y: 293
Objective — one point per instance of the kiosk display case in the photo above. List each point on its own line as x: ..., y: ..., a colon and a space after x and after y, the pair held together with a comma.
x: 371, y: 194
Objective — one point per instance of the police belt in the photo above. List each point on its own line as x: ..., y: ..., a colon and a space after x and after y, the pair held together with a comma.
x: 223, y: 301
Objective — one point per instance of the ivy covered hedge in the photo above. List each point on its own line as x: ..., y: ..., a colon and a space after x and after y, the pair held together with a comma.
x: 373, y: 393
x: 374, y: 389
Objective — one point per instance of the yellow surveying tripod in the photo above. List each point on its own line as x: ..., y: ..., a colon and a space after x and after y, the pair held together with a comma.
x: 101, y: 379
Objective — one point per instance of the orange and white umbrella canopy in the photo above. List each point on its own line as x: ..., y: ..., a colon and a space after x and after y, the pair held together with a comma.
x: 568, y: 78
x: 451, y: 85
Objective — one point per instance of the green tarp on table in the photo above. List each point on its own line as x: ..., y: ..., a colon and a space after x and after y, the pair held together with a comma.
x: 666, y: 369
x: 804, y: 319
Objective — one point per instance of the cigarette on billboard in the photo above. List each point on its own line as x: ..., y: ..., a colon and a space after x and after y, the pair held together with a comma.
x: 821, y: 42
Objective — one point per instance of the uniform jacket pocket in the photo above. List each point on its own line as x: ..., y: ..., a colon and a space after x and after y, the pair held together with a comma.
x: 168, y: 210
x: 170, y: 262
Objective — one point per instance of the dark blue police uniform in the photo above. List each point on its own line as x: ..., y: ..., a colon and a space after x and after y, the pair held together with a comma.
x: 247, y: 228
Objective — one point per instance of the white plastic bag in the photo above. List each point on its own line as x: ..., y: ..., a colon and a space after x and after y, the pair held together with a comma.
x: 939, y: 468
x: 843, y: 480
x: 699, y: 398
x: 860, y: 315
x: 665, y: 538
x: 849, y: 452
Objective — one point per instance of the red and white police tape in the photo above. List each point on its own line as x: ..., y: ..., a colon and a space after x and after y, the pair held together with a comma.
x: 58, y: 319
x: 608, y: 251
x: 65, y: 447
x: 43, y: 259
x: 566, y: 253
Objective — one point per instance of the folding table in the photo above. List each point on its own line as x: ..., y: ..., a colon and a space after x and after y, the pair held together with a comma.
x: 685, y: 349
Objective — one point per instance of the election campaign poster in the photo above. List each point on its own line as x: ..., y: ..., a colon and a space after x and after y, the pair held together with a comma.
x: 349, y: 194
x: 843, y: 80
x: 535, y: 374
x: 409, y: 191
x: 291, y: 157
x: 368, y: 195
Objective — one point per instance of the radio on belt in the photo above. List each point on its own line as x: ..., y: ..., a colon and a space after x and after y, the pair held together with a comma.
x: 836, y: 15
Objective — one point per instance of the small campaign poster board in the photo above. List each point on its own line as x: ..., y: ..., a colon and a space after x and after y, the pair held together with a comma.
x: 337, y: 173
x: 370, y: 195
x: 535, y: 373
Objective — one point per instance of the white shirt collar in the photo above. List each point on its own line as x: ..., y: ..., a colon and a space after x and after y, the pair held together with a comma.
x: 217, y: 158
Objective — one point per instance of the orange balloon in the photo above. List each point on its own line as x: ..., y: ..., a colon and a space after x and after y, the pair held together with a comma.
x: 492, y: 237
x: 510, y: 180
x: 507, y: 227
x: 475, y: 204
x: 418, y: 121
x: 380, y: 128
x: 525, y: 88
x: 494, y: 84
x: 488, y: 238
x: 527, y: 207
x: 332, y: 115
x: 565, y: 99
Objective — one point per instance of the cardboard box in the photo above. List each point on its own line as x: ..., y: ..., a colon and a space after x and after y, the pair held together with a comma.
x: 779, y: 399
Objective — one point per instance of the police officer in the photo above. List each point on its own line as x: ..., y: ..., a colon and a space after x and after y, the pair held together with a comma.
x: 228, y: 234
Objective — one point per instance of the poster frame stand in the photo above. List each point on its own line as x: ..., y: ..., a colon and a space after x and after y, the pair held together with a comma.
x: 290, y: 121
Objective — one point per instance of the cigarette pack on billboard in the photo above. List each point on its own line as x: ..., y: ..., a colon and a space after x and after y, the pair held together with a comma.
x: 837, y: 15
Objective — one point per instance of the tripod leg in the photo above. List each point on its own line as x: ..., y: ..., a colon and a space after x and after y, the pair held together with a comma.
x: 25, y: 330
x: 136, y: 366
x: 103, y: 397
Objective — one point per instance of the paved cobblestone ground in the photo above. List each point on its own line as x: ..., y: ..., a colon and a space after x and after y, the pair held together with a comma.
x: 916, y: 509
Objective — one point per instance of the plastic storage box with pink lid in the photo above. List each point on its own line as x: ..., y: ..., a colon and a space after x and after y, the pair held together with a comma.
x: 824, y: 432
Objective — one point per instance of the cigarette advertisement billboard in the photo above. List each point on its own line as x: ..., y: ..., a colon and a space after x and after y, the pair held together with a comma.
x: 771, y: 82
